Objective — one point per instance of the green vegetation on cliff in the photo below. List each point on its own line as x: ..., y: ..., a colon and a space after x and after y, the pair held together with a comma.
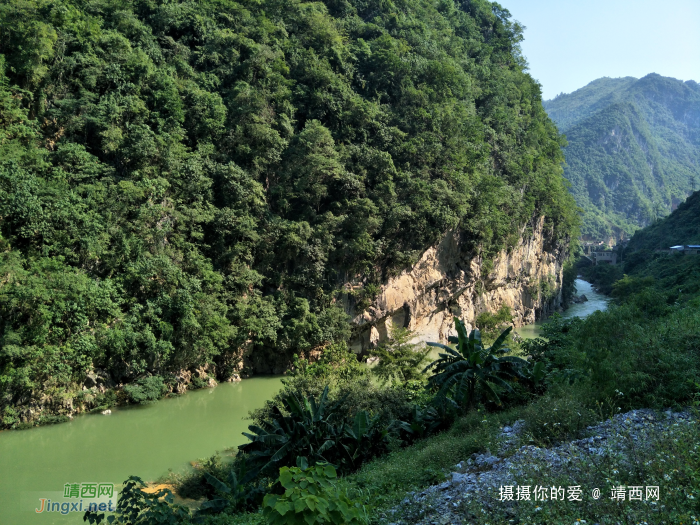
x: 388, y: 440
x: 647, y: 263
x: 633, y: 149
x: 179, y: 179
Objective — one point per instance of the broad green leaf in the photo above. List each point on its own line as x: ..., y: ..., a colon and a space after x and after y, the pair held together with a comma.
x: 285, y: 477
x: 282, y: 507
x: 218, y: 485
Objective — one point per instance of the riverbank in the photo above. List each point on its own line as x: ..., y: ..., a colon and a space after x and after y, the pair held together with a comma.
x: 595, y: 301
x: 112, y: 446
x: 637, y: 358
x: 142, y: 440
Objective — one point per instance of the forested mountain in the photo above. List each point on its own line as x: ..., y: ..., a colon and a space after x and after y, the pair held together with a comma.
x: 647, y: 262
x: 180, y: 179
x: 681, y: 227
x: 633, y: 149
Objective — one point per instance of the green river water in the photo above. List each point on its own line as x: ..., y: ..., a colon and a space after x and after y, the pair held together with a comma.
x: 596, y: 301
x: 144, y: 441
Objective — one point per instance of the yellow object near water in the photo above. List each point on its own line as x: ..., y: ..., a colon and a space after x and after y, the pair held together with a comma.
x: 145, y: 441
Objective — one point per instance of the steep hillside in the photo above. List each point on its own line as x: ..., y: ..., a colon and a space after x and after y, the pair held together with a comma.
x: 182, y: 183
x: 567, y: 110
x: 681, y: 227
x: 647, y: 263
x: 633, y: 149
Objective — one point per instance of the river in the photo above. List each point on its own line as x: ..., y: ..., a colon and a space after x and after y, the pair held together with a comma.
x: 596, y: 301
x: 144, y: 441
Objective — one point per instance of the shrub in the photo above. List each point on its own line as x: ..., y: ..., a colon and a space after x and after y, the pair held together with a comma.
x: 145, y: 390
x: 52, y: 420
x: 136, y: 507
x: 10, y: 416
x: 337, y: 364
x: 311, y: 497
x: 554, y: 418
x: 387, y: 404
x: 491, y: 323
x: 197, y: 383
x: 399, y: 360
x: 349, y: 387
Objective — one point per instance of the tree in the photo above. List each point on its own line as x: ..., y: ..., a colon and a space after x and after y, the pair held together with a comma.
x: 399, y: 360
x: 460, y: 372
x: 211, y: 176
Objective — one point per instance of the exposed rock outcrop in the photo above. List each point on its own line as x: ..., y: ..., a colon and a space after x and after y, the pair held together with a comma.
x: 578, y: 299
x: 478, y: 481
x: 449, y: 281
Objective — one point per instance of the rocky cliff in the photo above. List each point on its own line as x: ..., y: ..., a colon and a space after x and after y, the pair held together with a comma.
x: 450, y: 281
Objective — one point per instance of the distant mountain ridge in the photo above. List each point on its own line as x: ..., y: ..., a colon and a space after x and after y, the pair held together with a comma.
x: 633, y: 149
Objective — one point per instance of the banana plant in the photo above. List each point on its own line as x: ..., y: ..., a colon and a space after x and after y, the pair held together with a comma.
x: 362, y: 434
x: 424, y: 421
x: 313, y: 429
x: 470, y: 365
x: 306, y: 431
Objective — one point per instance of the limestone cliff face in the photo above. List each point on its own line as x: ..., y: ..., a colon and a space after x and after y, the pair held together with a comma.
x: 448, y: 282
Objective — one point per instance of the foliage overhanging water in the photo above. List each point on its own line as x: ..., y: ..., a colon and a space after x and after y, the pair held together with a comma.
x: 145, y: 441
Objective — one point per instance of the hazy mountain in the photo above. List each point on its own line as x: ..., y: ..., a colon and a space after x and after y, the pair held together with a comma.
x: 634, y: 149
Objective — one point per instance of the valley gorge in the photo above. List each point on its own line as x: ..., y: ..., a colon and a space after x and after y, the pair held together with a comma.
x: 447, y: 282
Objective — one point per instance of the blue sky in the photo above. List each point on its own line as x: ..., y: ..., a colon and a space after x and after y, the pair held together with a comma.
x: 570, y: 43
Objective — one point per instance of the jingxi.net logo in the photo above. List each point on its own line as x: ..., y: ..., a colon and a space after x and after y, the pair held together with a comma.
x: 80, y: 497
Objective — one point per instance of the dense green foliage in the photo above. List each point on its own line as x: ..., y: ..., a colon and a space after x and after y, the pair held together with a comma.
x: 310, y: 496
x: 680, y: 228
x: 400, y: 361
x: 179, y: 179
x: 642, y: 352
x: 471, y: 365
x: 145, y: 390
x: 315, y: 429
x: 492, y: 324
x: 135, y: 507
x: 568, y: 110
x: 648, y: 264
x: 633, y: 149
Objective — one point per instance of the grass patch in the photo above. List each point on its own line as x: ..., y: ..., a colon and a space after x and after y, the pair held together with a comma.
x: 385, y: 481
x: 668, y: 459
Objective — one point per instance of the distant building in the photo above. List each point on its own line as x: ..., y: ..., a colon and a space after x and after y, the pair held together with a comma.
x: 693, y: 249
x: 590, y: 247
x: 605, y: 257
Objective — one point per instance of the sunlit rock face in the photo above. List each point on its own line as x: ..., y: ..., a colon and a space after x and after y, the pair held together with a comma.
x: 447, y: 281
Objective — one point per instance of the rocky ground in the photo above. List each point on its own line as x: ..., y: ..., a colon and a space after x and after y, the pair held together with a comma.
x: 476, y: 483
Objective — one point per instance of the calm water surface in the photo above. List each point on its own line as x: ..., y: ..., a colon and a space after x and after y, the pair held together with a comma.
x: 144, y: 441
